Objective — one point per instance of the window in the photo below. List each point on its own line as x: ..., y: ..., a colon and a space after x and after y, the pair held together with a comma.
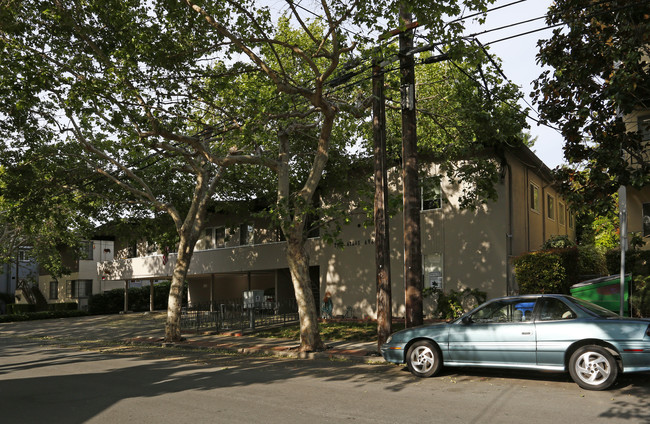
x: 215, y: 237
x: 220, y: 236
x: 554, y: 309
x: 561, y: 213
x: 79, y: 288
x: 505, y: 311
x: 646, y: 219
x: 246, y: 235
x: 550, y: 206
x: 534, y: 197
x: 571, y: 220
x: 23, y: 255
x: 86, y: 250
x: 54, y: 289
x: 431, y: 193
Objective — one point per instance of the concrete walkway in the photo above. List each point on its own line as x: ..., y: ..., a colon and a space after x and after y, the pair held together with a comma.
x: 148, y: 329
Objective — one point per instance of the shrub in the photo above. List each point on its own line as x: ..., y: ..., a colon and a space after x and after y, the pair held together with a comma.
x: 6, y: 298
x: 591, y: 262
x: 67, y: 306
x: 556, y: 270
x: 640, y: 298
x: 20, y: 308
x: 29, y: 316
x: 558, y: 242
x: 637, y: 262
x: 541, y: 272
x: 455, y: 303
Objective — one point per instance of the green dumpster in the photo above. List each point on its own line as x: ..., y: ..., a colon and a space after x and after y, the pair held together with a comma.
x: 605, y: 292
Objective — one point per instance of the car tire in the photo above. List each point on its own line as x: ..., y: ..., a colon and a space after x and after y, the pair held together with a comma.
x: 424, y: 359
x: 593, y: 368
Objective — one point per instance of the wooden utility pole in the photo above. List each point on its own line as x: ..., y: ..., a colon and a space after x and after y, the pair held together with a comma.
x: 412, y: 249
x: 382, y: 240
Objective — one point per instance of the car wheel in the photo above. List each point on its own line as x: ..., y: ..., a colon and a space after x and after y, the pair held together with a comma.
x: 423, y: 359
x: 593, y: 368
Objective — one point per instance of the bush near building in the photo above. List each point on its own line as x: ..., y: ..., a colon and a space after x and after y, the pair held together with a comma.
x: 637, y: 263
x: 50, y: 314
x: 556, y: 270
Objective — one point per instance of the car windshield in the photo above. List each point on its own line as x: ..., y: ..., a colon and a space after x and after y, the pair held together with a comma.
x: 595, y: 309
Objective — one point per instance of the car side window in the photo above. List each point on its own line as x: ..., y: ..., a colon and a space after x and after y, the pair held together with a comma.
x: 554, y: 309
x: 509, y: 310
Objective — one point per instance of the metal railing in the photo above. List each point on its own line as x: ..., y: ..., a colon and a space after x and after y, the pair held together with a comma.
x: 232, y: 315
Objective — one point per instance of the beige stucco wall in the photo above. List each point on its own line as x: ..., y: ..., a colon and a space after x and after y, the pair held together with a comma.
x: 472, y: 245
x: 476, y: 247
x: 635, y: 201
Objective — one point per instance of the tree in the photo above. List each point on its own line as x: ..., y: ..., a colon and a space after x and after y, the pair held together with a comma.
x: 120, y: 84
x: 468, y: 118
x: 600, y: 79
x: 138, y: 87
x: 38, y: 210
x: 327, y: 43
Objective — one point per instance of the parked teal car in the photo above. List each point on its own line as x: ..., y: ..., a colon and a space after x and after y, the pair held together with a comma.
x: 539, y: 332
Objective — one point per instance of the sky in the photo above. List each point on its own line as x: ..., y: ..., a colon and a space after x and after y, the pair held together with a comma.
x: 519, y: 64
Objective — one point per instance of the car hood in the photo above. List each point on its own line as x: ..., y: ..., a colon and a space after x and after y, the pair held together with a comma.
x: 428, y: 330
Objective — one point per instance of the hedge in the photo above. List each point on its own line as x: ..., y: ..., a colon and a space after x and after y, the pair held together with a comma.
x: 27, y: 308
x: 640, y: 298
x: 41, y: 315
x: 541, y: 272
x: 556, y: 270
x: 637, y: 262
x: 112, y: 302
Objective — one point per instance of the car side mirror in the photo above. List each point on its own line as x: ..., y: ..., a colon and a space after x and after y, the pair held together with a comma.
x: 467, y: 319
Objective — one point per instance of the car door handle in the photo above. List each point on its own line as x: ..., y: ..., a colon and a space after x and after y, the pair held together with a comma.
x: 526, y: 333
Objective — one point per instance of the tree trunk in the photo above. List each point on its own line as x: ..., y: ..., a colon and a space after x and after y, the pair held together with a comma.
x: 175, y: 302
x: 382, y: 238
x: 412, y: 250
x: 298, y: 258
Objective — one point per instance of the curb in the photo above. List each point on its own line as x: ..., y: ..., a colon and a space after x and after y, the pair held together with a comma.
x: 358, y: 356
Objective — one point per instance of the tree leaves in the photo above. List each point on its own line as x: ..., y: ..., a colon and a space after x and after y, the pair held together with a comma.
x: 600, y: 83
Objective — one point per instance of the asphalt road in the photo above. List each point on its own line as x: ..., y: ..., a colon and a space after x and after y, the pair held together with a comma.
x: 45, y: 380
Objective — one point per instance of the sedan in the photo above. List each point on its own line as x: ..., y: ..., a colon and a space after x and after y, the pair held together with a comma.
x: 537, y: 332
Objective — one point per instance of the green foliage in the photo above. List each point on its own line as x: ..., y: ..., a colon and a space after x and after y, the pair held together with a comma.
x: 51, y: 314
x: 606, y: 234
x: 365, y: 331
x: 20, y: 308
x: 452, y: 304
x: 556, y: 270
x: 6, y: 298
x: 25, y: 308
x: 112, y: 302
x: 591, y: 262
x: 640, y: 298
x: 636, y: 241
x: 558, y: 242
x: 637, y: 262
x: 541, y: 272
x: 599, y: 76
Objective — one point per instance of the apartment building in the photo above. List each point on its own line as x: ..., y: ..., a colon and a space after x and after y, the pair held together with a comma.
x: 461, y: 248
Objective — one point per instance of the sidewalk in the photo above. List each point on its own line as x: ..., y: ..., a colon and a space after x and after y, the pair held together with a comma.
x: 365, y: 352
x: 149, y: 328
